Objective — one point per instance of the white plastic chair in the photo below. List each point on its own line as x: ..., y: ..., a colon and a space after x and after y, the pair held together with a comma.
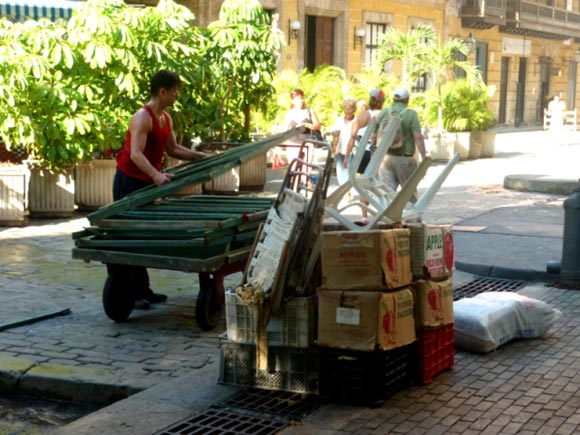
x: 384, y: 204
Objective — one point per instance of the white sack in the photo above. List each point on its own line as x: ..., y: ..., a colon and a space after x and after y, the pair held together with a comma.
x: 488, y: 320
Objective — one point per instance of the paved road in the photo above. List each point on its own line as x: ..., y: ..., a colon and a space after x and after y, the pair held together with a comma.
x: 84, y: 356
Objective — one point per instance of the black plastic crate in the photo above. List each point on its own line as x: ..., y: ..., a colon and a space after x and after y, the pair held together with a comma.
x: 289, y: 369
x: 366, y: 377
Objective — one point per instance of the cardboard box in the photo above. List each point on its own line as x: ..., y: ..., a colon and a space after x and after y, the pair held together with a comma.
x: 396, y: 319
x: 431, y: 251
x: 434, y: 303
x: 366, y: 260
x: 396, y: 257
x: 364, y: 320
x: 348, y: 319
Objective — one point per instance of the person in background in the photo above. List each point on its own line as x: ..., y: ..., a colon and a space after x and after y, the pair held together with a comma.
x: 301, y: 116
x: 359, y: 127
x: 555, y: 112
x: 139, y: 162
x: 400, y: 163
x: 342, y: 131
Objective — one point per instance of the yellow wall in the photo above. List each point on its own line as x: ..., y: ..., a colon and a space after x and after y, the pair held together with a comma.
x: 443, y: 14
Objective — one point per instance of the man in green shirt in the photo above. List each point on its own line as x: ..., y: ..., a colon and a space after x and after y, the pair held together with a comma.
x: 400, y: 163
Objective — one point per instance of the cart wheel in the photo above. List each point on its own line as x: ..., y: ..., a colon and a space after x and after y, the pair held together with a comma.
x: 208, y: 311
x: 117, y: 299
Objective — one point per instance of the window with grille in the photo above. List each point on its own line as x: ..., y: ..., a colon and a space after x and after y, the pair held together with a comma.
x: 372, y: 41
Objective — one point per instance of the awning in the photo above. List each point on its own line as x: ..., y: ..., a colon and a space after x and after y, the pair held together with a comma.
x: 21, y: 10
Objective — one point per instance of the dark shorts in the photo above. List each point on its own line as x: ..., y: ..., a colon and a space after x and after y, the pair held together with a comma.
x: 364, y: 162
x: 124, y: 185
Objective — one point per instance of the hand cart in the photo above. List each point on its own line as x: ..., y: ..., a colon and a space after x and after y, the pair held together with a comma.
x: 213, y: 238
x: 210, y: 235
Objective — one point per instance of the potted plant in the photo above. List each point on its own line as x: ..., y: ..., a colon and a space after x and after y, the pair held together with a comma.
x: 74, y: 86
x: 13, y: 182
x: 465, y: 116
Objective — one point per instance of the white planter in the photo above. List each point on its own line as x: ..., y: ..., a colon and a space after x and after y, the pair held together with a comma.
x: 50, y: 194
x: 228, y: 182
x: 441, y: 146
x: 487, y: 143
x: 94, y: 183
x: 253, y: 173
x: 475, y: 145
x: 461, y: 145
x: 193, y: 189
x: 12, y: 194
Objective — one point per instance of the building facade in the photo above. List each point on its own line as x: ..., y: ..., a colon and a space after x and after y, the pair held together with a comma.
x: 528, y: 50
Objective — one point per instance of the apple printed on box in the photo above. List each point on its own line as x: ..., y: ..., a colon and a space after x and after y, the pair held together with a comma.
x: 396, y: 261
x: 431, y: 251
x: 434, y: 303
x: 396, y: 318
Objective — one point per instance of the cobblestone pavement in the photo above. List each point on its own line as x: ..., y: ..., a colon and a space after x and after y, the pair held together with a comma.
x: 527, y: 385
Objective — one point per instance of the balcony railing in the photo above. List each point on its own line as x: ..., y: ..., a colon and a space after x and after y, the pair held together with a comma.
x: 483, y: 13
x: 541, y: 18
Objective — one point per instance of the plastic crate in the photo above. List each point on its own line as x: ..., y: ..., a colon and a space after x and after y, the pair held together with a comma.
x: 366, y: 378
x: 292, y: 326
x: 289, y: 369
x: 436, y: 352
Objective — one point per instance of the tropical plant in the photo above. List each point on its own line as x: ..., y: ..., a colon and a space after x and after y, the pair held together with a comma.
x: 440, y: 61
x: 464, y: 106
x: 409, y: 48
x: 67, y: 89
x: 420, y: 53
x: 325, y: 89
x: 236, y: 67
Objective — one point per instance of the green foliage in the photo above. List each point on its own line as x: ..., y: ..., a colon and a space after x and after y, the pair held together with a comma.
x: 235, y: 71
x: 68, y: 89
x: 325, y: 89
x: 409, y: 48
x: 464, y: 107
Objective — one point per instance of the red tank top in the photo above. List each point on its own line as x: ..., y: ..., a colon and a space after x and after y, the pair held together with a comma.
x: 155, y: 146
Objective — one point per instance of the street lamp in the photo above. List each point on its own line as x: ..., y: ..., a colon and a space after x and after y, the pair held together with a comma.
x: 293, y: 28
x: 471, y: 43
x: 359, y: 35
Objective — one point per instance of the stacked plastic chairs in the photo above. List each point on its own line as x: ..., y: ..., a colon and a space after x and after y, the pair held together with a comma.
x: 385, y: 205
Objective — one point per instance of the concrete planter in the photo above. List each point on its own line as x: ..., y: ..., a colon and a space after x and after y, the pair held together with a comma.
x: 461, y: 145
x: 94, y: 183
x: 193, y: 189
x: 487, y: 141
x: 441, y: 146
x: 13, y: 179
x: 228, y: 182
x: 50, y: 194
x: 475, y: 145
x: 253, y: 173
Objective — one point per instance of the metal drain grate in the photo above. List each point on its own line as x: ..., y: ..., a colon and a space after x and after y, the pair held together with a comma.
x: 565, y: 284
x: 250, y: 411
x: 481, y: 285
x: 225, y: 422
x: 293, y: 406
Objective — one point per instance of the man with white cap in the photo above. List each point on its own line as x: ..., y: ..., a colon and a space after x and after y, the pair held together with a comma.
x: 400, y: 163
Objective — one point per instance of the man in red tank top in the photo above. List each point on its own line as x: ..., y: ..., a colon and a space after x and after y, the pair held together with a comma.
x: 139, y: 162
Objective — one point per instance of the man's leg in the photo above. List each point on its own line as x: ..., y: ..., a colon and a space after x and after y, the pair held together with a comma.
x: 405, y: 168
x: 122, y: 186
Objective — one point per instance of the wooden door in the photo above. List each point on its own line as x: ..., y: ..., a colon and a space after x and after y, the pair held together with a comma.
x: 319, y: 48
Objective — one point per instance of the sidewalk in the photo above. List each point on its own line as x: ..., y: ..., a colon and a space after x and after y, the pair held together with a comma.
x: 172, y: 365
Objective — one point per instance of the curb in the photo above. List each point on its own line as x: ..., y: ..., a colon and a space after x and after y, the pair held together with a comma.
x: 540, y: 184
x: 505, y: 272
x: 19, y: 376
